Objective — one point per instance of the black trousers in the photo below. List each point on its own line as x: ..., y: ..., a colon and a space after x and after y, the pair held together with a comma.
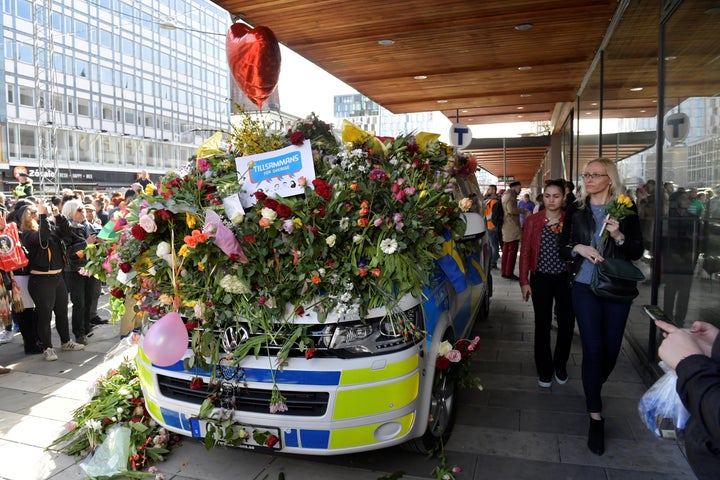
x: 546, y: 289
x: 50, y: 295
x: 84, y: 294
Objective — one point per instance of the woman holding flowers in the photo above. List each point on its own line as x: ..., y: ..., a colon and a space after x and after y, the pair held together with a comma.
x: 540, y: 259
x: 603, y: 223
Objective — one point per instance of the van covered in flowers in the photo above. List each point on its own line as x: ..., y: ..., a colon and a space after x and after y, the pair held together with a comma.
x: 302, y: 293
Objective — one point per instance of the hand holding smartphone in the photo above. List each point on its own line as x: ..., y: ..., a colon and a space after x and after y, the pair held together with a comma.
x: 655, y: 313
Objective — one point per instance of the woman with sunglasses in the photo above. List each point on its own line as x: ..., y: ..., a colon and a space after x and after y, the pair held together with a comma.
x: 601, y: 321
x: 84, y: 289
x: 42, y: 238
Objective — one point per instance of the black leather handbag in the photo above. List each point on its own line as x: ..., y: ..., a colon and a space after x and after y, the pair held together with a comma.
x: 616, y: 279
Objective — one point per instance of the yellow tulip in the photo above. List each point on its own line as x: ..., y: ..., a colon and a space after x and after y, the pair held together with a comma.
x: 190, y: 220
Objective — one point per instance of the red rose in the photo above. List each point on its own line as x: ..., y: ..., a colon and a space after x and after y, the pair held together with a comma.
x: 322, y: 188
x: 125, y: 267
x: 283, y: 211
x: 442, y: 363
x: 297, y: 138
x: 138, y: 232
x: 310, y: 353
x: 163, y: 214
x: 196, y: 383
x: 318, y: 211
x: 249, y: 238
x: 270, y: 203
x: 117, y: 292
x: 271, y: 441
x: 191, y: 325
x: 260, y: 196
x: 462, y: 347
x: 299, y: 310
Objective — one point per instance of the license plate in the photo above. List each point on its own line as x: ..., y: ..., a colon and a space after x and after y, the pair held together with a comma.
x: 250, y: 436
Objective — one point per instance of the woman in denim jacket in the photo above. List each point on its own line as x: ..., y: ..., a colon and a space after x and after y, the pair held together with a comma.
x: 601, y: 321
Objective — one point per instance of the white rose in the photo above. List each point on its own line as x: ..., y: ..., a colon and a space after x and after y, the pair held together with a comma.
x: 268, y: 213
x: 163, y: 248
x: 445, y: 347
x: 238, y: 218
x: 330, y: 241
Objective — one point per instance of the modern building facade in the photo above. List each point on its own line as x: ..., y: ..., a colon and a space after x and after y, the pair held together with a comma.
x: 96, y: 91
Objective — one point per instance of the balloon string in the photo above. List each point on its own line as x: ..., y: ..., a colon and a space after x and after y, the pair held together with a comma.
x: 176, y: 298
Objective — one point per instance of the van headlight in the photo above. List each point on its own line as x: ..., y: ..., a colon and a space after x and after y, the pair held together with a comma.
x: 392, y: 332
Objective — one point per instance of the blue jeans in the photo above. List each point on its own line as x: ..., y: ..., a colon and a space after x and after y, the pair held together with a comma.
x: 494, y: 237
x: 601, y: 323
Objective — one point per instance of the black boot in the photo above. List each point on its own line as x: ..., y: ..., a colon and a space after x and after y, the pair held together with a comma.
x: 596, y: 436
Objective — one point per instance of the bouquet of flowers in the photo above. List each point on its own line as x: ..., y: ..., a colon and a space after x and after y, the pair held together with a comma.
x: 116, y: 399
x: 455, y: 359
x: 365, y: 231
x: 618, y: 209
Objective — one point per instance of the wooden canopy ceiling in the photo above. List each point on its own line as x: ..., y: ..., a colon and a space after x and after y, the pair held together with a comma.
x: 479, y: 62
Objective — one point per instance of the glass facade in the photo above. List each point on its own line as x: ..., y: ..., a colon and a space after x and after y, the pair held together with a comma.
x: 105, y: 83
x: 676, y: 180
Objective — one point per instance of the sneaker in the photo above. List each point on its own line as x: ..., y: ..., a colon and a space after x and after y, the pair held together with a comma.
x: 70, y: 345
x: 50, y: 354
x: 561, y: 377
x: 82, y: 340
x: 544, y: 383
x: 6, y: 336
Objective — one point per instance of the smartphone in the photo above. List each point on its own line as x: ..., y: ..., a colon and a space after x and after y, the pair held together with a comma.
x: 655, y: 313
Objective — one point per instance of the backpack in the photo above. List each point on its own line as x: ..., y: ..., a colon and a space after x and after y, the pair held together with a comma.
x: 498, y: 214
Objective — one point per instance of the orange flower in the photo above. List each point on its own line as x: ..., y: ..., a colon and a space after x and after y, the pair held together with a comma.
x: 80, y: 254
x: 363, y: 222
x: 197, y: 237
x: 354, y: 186
x: 316, y: 280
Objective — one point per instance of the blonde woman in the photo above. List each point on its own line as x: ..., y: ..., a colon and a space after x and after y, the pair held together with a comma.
x: 601, y: 322
x: 46, y: 285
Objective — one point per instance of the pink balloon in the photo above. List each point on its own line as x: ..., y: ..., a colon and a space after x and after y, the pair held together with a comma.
x: 166, y: 341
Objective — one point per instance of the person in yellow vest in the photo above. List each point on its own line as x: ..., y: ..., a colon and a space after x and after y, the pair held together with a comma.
x: 25, y: 187
x: 491, y: 198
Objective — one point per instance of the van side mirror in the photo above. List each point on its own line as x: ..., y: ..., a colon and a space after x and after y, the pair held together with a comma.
x: 474, y: 225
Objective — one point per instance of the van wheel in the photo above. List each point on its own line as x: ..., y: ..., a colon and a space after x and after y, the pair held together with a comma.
x: 441, y: 417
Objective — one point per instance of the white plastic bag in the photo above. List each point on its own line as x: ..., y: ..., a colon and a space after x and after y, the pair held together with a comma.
x: 111, y: 457
x: 661, y: 409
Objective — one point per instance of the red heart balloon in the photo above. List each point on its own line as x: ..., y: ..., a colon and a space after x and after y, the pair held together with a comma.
x: 254, y: 58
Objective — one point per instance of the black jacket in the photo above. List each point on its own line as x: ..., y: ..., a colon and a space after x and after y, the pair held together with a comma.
x: 698, y: 385
x: 579, y: 228
x: 44, y: 246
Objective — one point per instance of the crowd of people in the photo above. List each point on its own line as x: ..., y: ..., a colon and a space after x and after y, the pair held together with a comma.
x: 52, y: 233
x: 561, y: 240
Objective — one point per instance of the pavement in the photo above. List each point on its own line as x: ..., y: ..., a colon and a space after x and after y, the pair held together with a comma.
x: 513, y: 429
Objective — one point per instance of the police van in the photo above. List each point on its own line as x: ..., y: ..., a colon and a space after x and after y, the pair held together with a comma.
x: 365, y: 388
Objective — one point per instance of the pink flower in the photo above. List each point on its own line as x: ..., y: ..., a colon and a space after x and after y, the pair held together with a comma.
x: 203, y: 165
x: 224, y: 237
x: 400, y: 196
x: 147, y: 222
x: 378, y: 221
x: 454, y: 356
x: 474, y: 344
x: 302, y: 181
